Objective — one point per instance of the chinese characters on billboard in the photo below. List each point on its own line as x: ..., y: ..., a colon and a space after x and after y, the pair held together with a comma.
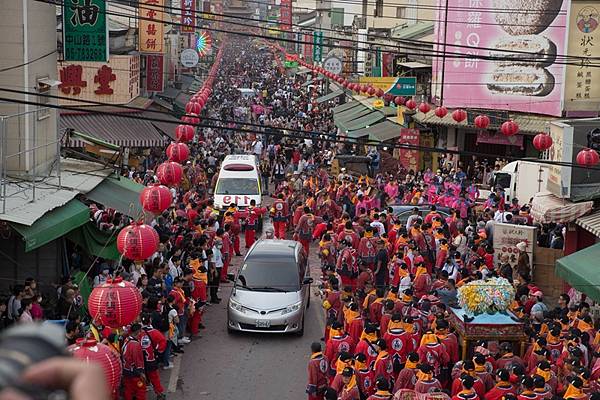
x: 151, y: 26
x: 523, y: 36
x: 85, y: 31
x: 285, y: 15
x: 409, y: 158
x: 188, y: 16
x: 154, y: 73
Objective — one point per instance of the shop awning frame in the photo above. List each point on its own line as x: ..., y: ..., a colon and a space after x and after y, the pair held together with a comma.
x: 345, y: 107
x: 351, y: 114
x: 364, y: 121
x: 95, y: 242
x: 590, y: 222
x: 121, y: 194
x: 54, y: 224
x: 547, y: 208
x: 330, y: 96
x: 580, y: 270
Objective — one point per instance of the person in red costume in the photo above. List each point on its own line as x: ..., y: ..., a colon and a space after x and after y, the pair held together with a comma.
x: 134, y: 376
x: 367, y: 248
x: 354, y: 322
x: 407, y: 378
x: 467, y: 392
x: 223, y: 234
x: 317, y: 373
x: 383, y: 362
x: 280, y: 213
x: 448, y: 339
x: 304, y: 229
x: 376, y: 307
x: 468, y: 368
x: 252, y: 215
x: 383, y: 390
x: 350, y: 390
x: 339, y: 341
x: 422, y: 281
x: 347, y: 264
x: 503, y: 386
x: 398, y: 342
x: 153, y: 343
x: 366, y: 345
x: 364, y: 375
x: 426, y: 383
x: 232, y: 217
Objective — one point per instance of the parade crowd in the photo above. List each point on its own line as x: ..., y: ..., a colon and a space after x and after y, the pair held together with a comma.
x: 389, y: 283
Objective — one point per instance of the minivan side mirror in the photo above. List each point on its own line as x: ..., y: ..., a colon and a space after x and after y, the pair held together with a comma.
x: 308, y: 281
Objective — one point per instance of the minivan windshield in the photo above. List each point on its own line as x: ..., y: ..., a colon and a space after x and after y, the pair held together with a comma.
x: 266, y: 275
x: 237, y: 186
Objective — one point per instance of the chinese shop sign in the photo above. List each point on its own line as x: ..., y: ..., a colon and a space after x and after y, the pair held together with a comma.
x: 154, y: 73
x: 188, y: 16
x: 85, y: 31
x: 408, y: 157
x: 151, y: 26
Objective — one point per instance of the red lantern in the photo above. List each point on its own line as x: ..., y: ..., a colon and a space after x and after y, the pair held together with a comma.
x: 178, y: 152
x: 192, y: 108
x: 371, y: 91
x: 482, y: 121
x: 388, y: 97
x: 411, y: 104
x: 184, y: 133
x: 399, y: 100
x: 441, y: 112
x: 345, y: 84
x: 91, y: 352
x: 459, y: 115
x: 424, y: 108
x: 169, y: 173
x: 364, y: 88
x: 156, y: 198
x: 191, y: 119
x: 542, y: 141
x: 340, y: 80
x: 587, y: 158
x: 509, y: 128
x: 379, y: 92
x: 116, y: 303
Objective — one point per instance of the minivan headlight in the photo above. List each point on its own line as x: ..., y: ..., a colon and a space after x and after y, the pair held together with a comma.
x: 292, y: 308
x: 237, y: 306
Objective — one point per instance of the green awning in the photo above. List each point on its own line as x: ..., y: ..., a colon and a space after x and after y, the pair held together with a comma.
x: 121, y: 193
x: 307, y: 83
x: 345, y: 107
x: 330, y: 96
x: 580, y: 270
x: 95, y: 242
x: 351, y: 114
x: 362, y: 122
x: 382, y: 131
x: 53, y: 224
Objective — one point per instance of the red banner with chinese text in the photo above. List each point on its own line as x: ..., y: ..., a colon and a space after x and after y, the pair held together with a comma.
x: 188, y: 16
x: 154, y: 73
x: 285, y: 15
x: 409, y: 158
x: 308, y: 39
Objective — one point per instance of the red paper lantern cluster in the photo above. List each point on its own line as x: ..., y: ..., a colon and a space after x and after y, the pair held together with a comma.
x: 169, y: 173
x: 115, y: 303
x: 137, y: 241
x: 92, y: 352
x: 156, y: 198
x: 441, y: 112
x: 509, y: 128
x: 185, y: 133
x: 587, y: 158
x: 482, y: 121
x: 459, y: 115
x: 399, y: 100
x: 178, y: 152
x: 542, y: 141
x: 424, y: 108
x: 411, y: 104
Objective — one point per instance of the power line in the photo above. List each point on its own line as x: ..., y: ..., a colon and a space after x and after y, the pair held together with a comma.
x: 433, y: 53
x: 29, y: 62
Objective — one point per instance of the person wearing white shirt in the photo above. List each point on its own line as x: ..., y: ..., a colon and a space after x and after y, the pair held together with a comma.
x: 377, y: 224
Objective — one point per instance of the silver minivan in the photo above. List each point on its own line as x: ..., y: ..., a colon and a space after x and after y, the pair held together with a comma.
x: 271, y: 290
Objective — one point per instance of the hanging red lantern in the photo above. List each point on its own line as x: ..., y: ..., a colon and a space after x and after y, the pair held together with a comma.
x: 482, y: 121
x: 191, y: 119
x: 178, y: 152
x: 459, y: 115
x: 340, y: 80
x: 587, y: 158
x: 399, y: 100
x: 184, y: 133
x: 156, y: 198
x: 364, y: 89
x: 379, y: 92
x: 169, y: 173
x: 424, y: 108
x: 388, y: 97
x: 345, y: 84
x: 192, y: 108
x: 509, y: 128
x: 411, y: 104
x: 92, y: 352
x: 441, y: 112
x: 116, y: 302
x: 371, y: 91
x: 542, y: 141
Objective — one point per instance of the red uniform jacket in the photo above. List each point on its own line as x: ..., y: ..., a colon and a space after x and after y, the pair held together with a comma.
x: 434, y: 355
x: 450, y: 342
x: 375, y: 310
x: 399, y: 344
x: 422, y: 284
x: 407, y: 378
x: 383, y: 366
x: 365, y: 381
x: 281, y: 211
x: 133, y: 358
x: 305, y: 227
x: 363, y: 278
x: 365, y: 347
x: 337, y: 344
x: 355, y: 328
x: 508, y: 361
x: 428, y: 387
x: 317, y: 373
x: 466, y: 396
x: 479, y: 387
x: 380, y: 396
x: 384, y: 321
x: 335, y: 301
x: 347, y: 263
x: 226, y: 249
x: 349, y: 394
x: 367, y: 250
x: 500, y: 390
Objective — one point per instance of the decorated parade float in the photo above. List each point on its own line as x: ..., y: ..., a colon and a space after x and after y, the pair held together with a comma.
x: 483, y: 313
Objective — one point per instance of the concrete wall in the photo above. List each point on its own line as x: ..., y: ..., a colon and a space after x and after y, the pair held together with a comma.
x: 27, y: 132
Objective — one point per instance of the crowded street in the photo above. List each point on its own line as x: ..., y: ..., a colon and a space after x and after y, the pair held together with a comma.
x: 299, y: 200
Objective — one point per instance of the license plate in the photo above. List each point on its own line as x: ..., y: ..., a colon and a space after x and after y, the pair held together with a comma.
x: 263, y: 324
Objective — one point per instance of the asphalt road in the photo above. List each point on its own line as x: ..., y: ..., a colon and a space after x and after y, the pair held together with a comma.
x: 223, y: 366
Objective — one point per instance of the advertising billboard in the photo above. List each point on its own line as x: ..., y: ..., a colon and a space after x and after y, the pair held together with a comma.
x: 525, y: 40
x: 581, y: 93
x: 154, y: 73
x: 151, y: 28
x: 85, y: 32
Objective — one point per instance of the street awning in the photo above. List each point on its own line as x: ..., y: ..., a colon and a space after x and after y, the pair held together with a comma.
x: 54, y: 224
x: 95, y: 242
x: 330, y: 96
x: 345, y: 107
x: 580, y: 270
x: 546, y: 208
x: 349, y: 115
x: 121, y: 194
x: 307, y: 83
x: 414, y: 65
x: 362, y: 122
x: 590, y: 222
x: 384, y: 130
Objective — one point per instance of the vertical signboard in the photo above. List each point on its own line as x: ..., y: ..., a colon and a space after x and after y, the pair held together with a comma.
x: 188, y: 16
x: 85, y: 31
x: 151, y: 26
x: 526, y: 42
x: 409, y: 158
x: 581, y: 93
x: 506, y: 237
x: 308, y: 47
x: 559, y: 176
x: 317, y: 46
x: 285, y: 15
x: 154, y: 73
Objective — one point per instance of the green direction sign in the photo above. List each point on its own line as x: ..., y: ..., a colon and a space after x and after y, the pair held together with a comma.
x: 85, y: 31
x: 404, y: 86
x: 317, y: 46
